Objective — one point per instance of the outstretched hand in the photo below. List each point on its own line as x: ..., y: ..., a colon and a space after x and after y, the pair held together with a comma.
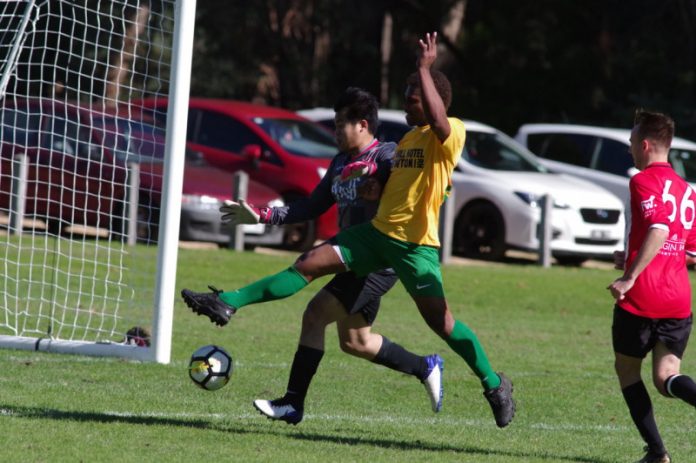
x: 238, y: 213
x: 428, y: 51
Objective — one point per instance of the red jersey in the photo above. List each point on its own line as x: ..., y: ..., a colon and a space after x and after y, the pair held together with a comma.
x: 660, y: 199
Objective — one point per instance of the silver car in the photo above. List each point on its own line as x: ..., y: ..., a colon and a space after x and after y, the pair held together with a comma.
x: 598, y: 154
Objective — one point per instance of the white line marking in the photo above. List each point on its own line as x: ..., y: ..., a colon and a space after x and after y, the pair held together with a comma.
x: 390, y: 419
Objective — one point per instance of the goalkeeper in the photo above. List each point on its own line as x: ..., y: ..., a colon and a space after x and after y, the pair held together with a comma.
x: 353, y: 182
x: 402, y: 235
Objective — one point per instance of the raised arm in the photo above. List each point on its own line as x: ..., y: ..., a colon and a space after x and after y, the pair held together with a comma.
x: 433, y: 106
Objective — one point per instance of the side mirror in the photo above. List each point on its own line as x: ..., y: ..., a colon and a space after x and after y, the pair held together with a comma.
x: 252, y: 153
x: 195, y: 157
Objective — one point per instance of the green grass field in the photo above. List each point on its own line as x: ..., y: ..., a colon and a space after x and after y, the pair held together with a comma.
x: 548, y: 329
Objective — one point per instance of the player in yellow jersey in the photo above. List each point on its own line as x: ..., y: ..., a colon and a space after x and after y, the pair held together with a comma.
x: 402, y: 235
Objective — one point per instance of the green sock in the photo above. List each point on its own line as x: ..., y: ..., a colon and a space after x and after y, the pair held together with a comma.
x: 278, y: 286
x: 465, y: 343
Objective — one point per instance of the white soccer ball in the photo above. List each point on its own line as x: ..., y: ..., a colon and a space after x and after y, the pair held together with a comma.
x: 210, y: 367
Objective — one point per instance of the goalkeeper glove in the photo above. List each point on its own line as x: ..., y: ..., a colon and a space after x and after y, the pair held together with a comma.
x: 358, y: 169
x: 238, y: 213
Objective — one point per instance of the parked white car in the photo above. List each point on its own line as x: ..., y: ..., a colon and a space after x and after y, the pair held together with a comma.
x: 498, y: 187
x: 600, y: 155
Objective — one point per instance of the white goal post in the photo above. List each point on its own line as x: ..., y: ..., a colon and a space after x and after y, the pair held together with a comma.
x: 81, y: 269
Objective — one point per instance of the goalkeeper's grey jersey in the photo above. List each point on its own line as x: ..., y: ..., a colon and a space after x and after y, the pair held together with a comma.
x: 352, y: 209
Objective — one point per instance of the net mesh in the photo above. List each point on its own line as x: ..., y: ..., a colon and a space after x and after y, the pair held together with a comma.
x: 72, y: 141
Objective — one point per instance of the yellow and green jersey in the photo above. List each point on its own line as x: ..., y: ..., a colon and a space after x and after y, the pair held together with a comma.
x: 421, y: 177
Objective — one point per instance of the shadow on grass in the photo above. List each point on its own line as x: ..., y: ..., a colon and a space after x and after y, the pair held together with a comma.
x: 260, y: 429
x: 53, y: 414
x: 426, y: 446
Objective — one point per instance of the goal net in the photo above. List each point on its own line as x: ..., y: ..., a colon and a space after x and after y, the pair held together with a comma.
x: 79, y: 245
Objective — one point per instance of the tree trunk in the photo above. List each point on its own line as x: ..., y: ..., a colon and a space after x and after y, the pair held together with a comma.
x: 124, y: 58
x: 386, y: 50
x: 452, y: 26
x: 322, y: 46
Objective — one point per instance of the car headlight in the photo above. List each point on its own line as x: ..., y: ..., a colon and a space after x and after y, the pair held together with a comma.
x: 321, y: 171
x: 534, y: 200
x: 276, y: 203
x: 201, y: 201
x: 531, y: 199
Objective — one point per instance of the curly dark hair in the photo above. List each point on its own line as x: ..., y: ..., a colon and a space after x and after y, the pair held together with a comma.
x: 442, y: 85
x: 360, y: 104
x: 656, y: 126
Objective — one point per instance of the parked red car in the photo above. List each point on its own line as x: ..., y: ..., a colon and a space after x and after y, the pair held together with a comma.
x: 71, y: 179
x: 78, y: 160
x: 276, y: 147
x: 205, y: 187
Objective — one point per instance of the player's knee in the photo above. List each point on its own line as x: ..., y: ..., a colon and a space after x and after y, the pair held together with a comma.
x: 303, y: 269
x: 626, y: 372
x: 660, y: 382
x: 622, y: 369
x: 437, y: 324
x: 347, y: 347
x: 353, y: 346
x: 436, y: 315
x: 618, y: 368
x: 660, y: 386
x: 313, y: 316
x: 317, y: 262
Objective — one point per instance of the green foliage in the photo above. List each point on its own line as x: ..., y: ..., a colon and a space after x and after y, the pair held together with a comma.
x: 512, y: 62
x: 549, y: 329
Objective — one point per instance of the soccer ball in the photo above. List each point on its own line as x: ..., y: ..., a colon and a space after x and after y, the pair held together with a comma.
x: 210, y: 367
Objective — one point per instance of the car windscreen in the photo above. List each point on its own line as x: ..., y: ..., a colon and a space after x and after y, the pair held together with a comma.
x: 495, y: 151
x: 684, y: 163
x: 132, y: 141
x: 386, y: 130
x: 392, y: 131
x: 302, y: 138
x: 20, y: 127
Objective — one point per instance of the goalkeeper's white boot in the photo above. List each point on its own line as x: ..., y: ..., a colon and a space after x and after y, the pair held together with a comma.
x: 433, y: 381
x: 279, y: 409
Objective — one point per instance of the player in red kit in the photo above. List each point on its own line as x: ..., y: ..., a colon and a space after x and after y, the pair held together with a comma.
x: 653, y: 297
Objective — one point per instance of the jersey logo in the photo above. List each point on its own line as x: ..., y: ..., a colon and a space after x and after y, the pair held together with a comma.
x: 648, y: 203
x: 412, y: 158
x: 673, y: 248
x: 423, y: 286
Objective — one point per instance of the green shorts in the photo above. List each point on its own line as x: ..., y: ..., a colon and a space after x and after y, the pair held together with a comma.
x: 365, y: 249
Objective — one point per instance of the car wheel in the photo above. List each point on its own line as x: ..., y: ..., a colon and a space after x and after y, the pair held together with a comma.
x: 117, y: 223
x: 479, y: 232
x: 570, y: 261
x: 299, y: 236
x: 148, y: 223
x: 55, y: 226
